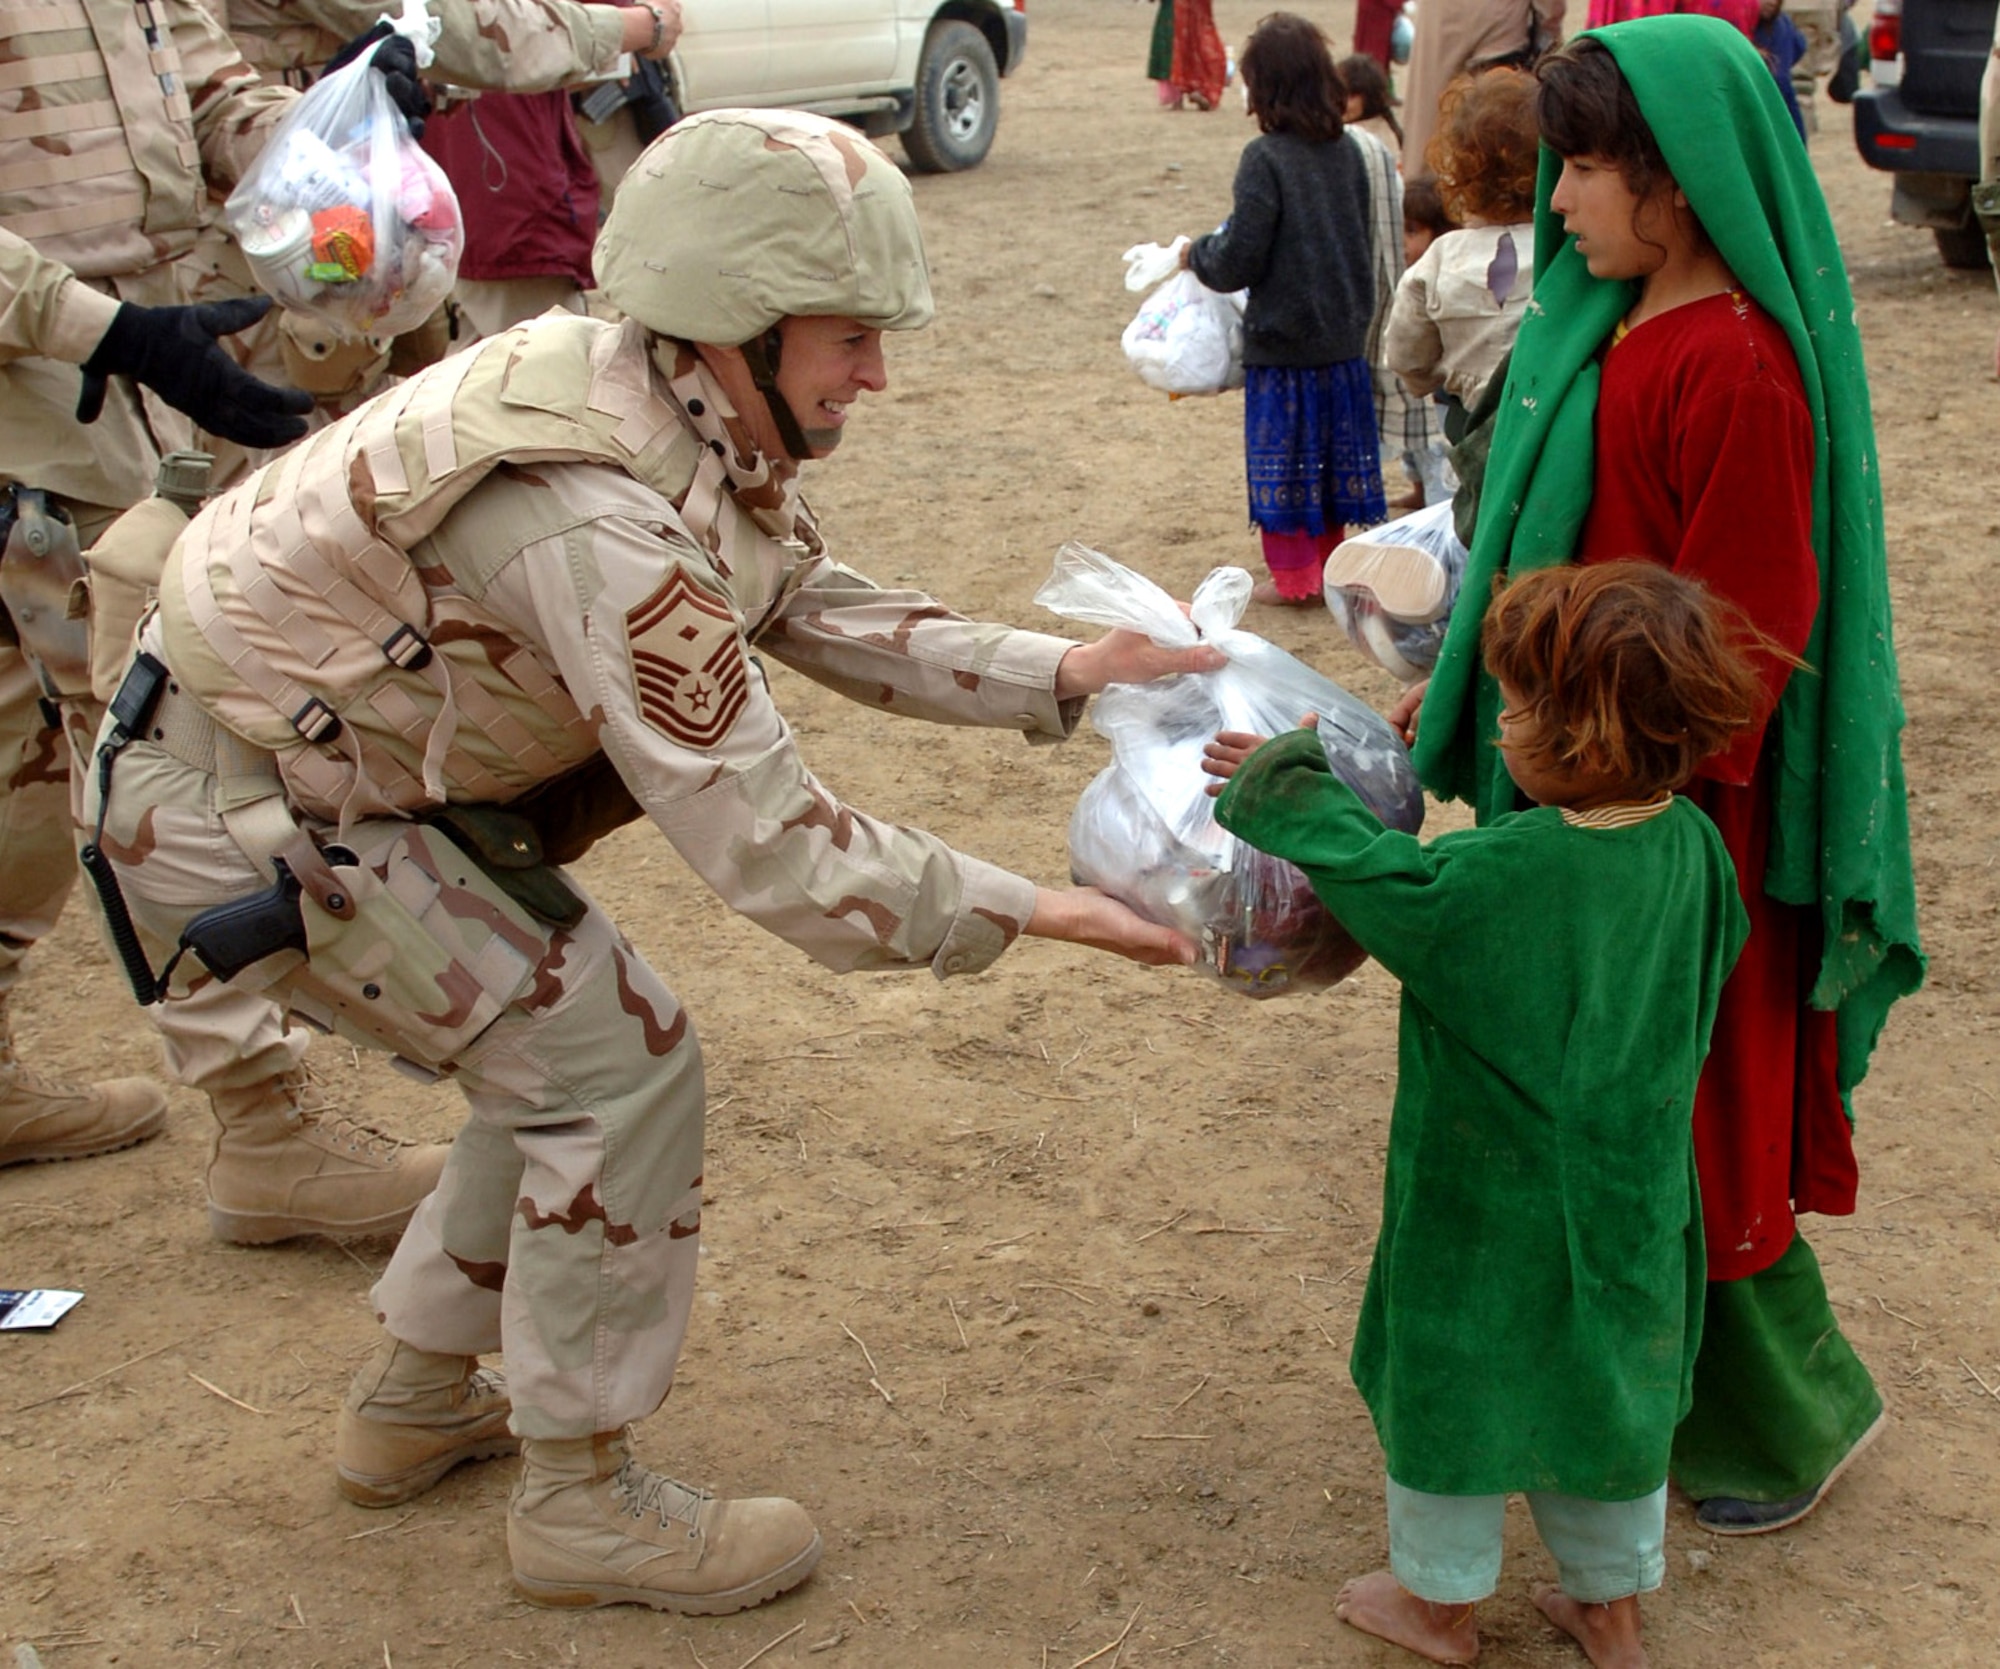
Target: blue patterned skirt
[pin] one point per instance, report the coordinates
(1310, 444)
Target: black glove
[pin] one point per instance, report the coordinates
(174, 352)
(396, 59)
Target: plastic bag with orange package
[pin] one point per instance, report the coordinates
(342, 215)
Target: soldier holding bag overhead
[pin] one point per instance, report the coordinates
(547, 561)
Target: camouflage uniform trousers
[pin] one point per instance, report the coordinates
(224, 1039)
(565, 1228)
(37, 854)
(37, 835)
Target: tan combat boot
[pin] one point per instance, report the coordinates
(591, 1526)
(41, 1119)
(412, 1415)
(286, 1163)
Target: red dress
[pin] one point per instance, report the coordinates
(1201, 61)
(1704, 463)
(1374, 27)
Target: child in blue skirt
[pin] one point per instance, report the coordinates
(1298, 239)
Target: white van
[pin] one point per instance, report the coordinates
(927, 69)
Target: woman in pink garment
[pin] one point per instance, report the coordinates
(1742, 13)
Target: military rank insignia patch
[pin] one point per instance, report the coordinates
(688, 667)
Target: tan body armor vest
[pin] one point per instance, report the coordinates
(99, 167)
(295, 611)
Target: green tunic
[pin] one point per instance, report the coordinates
(1160, 54)
(1535, 1301)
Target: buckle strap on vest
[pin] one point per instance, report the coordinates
(294, 700)
(407, 648)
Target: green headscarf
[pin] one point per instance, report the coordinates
(1840, 824)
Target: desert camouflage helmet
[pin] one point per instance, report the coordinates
(734, 219)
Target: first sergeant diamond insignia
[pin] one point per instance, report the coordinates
(688, 666)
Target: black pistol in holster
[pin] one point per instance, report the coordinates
(645, 90)
(228, 937)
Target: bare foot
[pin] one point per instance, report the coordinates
(1378, 1604)
(1608, 1634)
(1267, 593)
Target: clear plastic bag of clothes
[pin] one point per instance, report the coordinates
(343, 215)
(1185, 338)
(1144, 830)
(1392, 587)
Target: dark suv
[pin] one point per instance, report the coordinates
(1920, 120)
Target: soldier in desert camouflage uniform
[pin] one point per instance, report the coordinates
(116, 119)
(519, 46)
(48, 313)
(528, 581)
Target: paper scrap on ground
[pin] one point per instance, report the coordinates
(41, 1307)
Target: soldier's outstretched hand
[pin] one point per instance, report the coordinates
(1085, 916)
(174, 351)
(1123, 656)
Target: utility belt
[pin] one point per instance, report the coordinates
(229, 937)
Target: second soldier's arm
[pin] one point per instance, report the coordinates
(516, 46)
(647, 640)
(905, 652)
(46, 310)
(234, 108)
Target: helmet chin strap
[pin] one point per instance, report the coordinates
(761, 353)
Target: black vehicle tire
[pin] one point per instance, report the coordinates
(958, 101)
(1964, 246)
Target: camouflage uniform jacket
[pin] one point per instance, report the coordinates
(558, 544)
(119, 120)
(45, 309)
(520, 46)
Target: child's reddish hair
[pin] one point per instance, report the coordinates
(1626, 668)
(1486, 147)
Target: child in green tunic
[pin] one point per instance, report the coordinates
(1535, 1300)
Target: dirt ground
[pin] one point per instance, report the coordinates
(1035, 1288)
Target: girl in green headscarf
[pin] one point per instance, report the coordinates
(1689, 389)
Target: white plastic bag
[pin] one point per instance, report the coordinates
(1144, 830)
(1185, 338)
(342, 215)
(1149, 265)
(1391, 589)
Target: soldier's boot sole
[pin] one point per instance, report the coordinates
(767, 1586)
(250, 1228)
(394, 1488)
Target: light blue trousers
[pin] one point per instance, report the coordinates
(1446, 1548)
